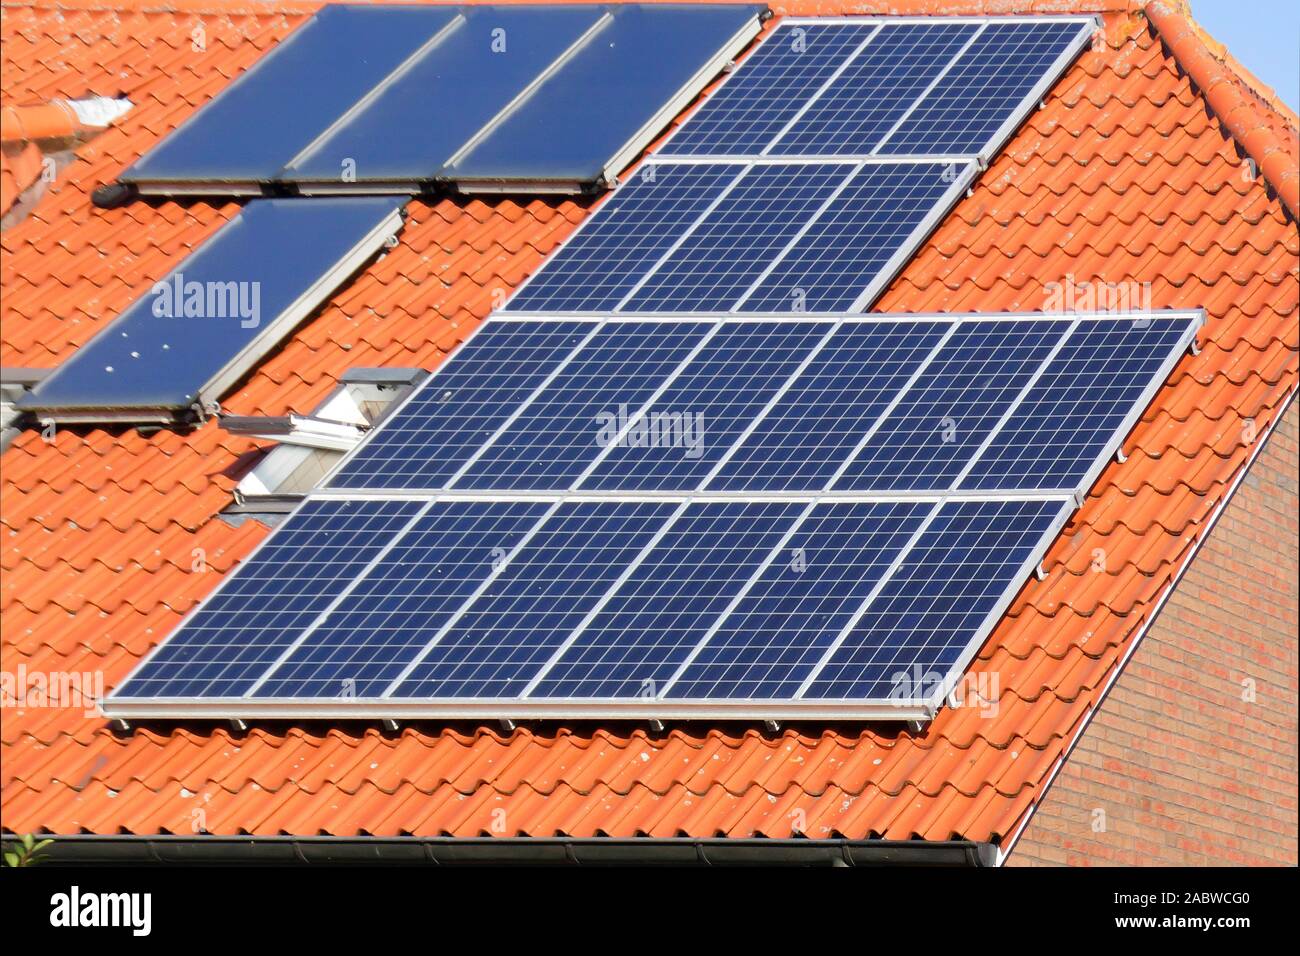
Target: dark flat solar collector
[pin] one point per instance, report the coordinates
(366, 99)
(199, 329)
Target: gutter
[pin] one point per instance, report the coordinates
(90, 849)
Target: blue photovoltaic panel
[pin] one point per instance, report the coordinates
(562, 429)
(461, 406)
(604, 95)
(263, 119)
(205, 316)
(243, 628)
(635, 643)
(985, 88)
(399, 606)
(763, 243)
(366, 144)
(697, 419)
(730, 247)
(768, 645)
(931, 435)
(1072, 413)
(751, 108)
(871, 221)
(932, 609)
(623, 240)
(811, 431)
(505, 637)
(881, 83)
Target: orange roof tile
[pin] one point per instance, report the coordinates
(19, 170)
(1122, 175)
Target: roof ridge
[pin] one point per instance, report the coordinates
(826, 8)
(268, 8)
(1220, 52)
(1221, 85)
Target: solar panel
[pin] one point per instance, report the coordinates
(1095, 386)
(791, 237)
(259, 611)
(559, 432)
(199, 329)
(479, 388)
(860, 105)
(615, 247)
(447, 555)
(743, 586)
(648, 625)
(858, 240)
(502, 48)
(803, 599)
(288, 97)
(925, 441)
(679, 438)
(907, 640)
(768, 90)
(356, 100)
(807, 435)
(925, 87)
(501, 641)
(909, 108)
(985, 87)
(627, 82)
(730, 245)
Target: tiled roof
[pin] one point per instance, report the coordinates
(1124, 175)
(19, 170)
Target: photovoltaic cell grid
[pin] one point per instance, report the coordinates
(709, 404)
(1084, 396)
(262, 608)
(722, 238)
(950, 582)
(981, 91)
(804, 598)
(939, 424)
(841, 263)
(556, 434)
(767, 91)
(639, 223)
(500, 605)
(725, 252)
(478, 391)
(876, 88)
(822, 162)
(856, 405)
(503, 639)
(449, 553)
(812, 89)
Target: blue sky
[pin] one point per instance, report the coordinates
(1263, 34)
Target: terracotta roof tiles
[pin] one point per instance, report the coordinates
(1130, 172)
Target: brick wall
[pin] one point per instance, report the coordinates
(1185, 770)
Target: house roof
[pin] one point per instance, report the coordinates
(1131, 172)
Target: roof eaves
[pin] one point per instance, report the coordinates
(443, 851)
